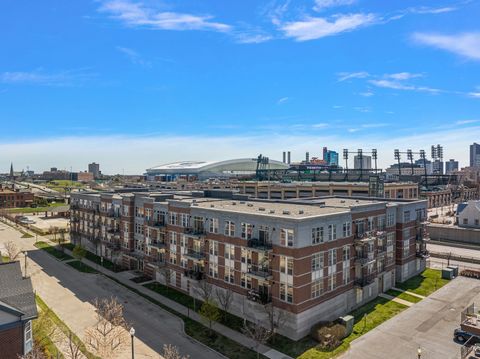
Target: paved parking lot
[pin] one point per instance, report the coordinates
(428, 324)
(44, 223)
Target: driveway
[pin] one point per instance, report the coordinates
(69, 293)
(428, 324)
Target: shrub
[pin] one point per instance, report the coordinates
(328, 335)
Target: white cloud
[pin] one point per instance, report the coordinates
(465, 44)
(398, 85)
(42, 78)
(474, 94)
(136, 14)
(403, 76)
(342, 76)
(366, 94)
(282, 100)
(466, 122)
(324, 4)
(362, 109)
(133, 56)
(320, 125)
(249, 38)
(311, 28)
(431, 10)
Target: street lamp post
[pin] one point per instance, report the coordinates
(419, 353)
(26, 255)
(132, 335)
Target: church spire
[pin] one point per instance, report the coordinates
(11, 170)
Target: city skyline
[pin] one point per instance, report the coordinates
(127, 83)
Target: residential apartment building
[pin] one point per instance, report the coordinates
(314, 259)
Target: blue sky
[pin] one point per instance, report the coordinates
(133, 84)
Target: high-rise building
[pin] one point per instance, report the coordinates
(330, 157)
(451, 166)
(95, 169)
(365, 162)
(475, 155)
(438, 167)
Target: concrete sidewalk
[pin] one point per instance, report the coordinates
(222, 329)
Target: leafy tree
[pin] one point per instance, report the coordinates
(79, 253)
(210, 313)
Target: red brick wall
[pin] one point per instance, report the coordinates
(11, 342)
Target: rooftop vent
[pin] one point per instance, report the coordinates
(242, 202)
(272, 211)
(300, 211)
(342, 201)
(195, 204)
(212, 205)
(261, 209)
(234, 203)
(250, 205)
(285, 212)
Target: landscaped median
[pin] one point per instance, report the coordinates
(96, 259)
(52, 250)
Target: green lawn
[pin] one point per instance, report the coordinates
(52, 251)
(97, 259)
(425, 283)
(82, 267)
(228, 319)
(37, 209)
(404, 296)
(27, 235)
(61, 326)
(377, 311)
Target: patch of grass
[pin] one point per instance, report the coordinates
(63, 327)
(425, 283)
(198, 331)
(52, 251)
(98, 260)
(82, 267)
(404, 296)
(5, 259)
(141, 279)
(36, 209)
(27, 235)
(367, 318)
(228, 319)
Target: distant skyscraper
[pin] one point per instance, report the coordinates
(330, 157)
(11, 171)
(364, 163)
(451, 166)
(475, 155)
(438, 167)
(95, 169)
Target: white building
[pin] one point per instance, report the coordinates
(468, 214)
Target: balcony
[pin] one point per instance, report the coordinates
(257, 296)
(194, 274)
(260, 245)
(422, 253)
(260, 272)
(365, 280)
(195, 255)
(365, 258)
(74, 206)
(365, 236)
(156, 244)
(154, 223)
(195, 231)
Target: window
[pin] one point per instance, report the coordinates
(332, 282)
(317, 288)
(183, 262)
(173, 238)
(28, 337)
(347, 229)
(406, 247)
(173, 218)
(229, 228)
(476, 222)
(465, 221)
(360, 224)
(185, 219)
(213, 225)
(247, 230)
(406, 216)
(229, 277)
(286, 237)
(213, 270)
(346, 276)
(390, 240)
(173, 258)
(243, 281)
(286, 292)
(332, 232)
(229, 251)
(214, 248)
(317, 235)
(317, 261)
(286, 265)
(406, 233)
(246, 256)
(332, 257)
(390, 219)
(381, 223)
(346, 253)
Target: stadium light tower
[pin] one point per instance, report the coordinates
(396, 154)
(410, 158)
(345, 157)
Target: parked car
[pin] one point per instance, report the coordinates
(462, 336)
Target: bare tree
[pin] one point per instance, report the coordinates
(204, 290)
(109, 335)
(61, 238)
(276, 318)
(12, 251)
(171, 352)
(35, 353)
(260, 335)
(54, 230)
(73, 350)
(166, 274)
(225, 298)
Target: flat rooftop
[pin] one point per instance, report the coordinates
(271, 209)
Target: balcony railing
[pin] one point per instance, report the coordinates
(194, 274)
(260, 245)
(157, 244)
(422, 253)
(195, 255)
(262, 272)
(262, 297)
(365, 258)
(365, 280)
(195, 231)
